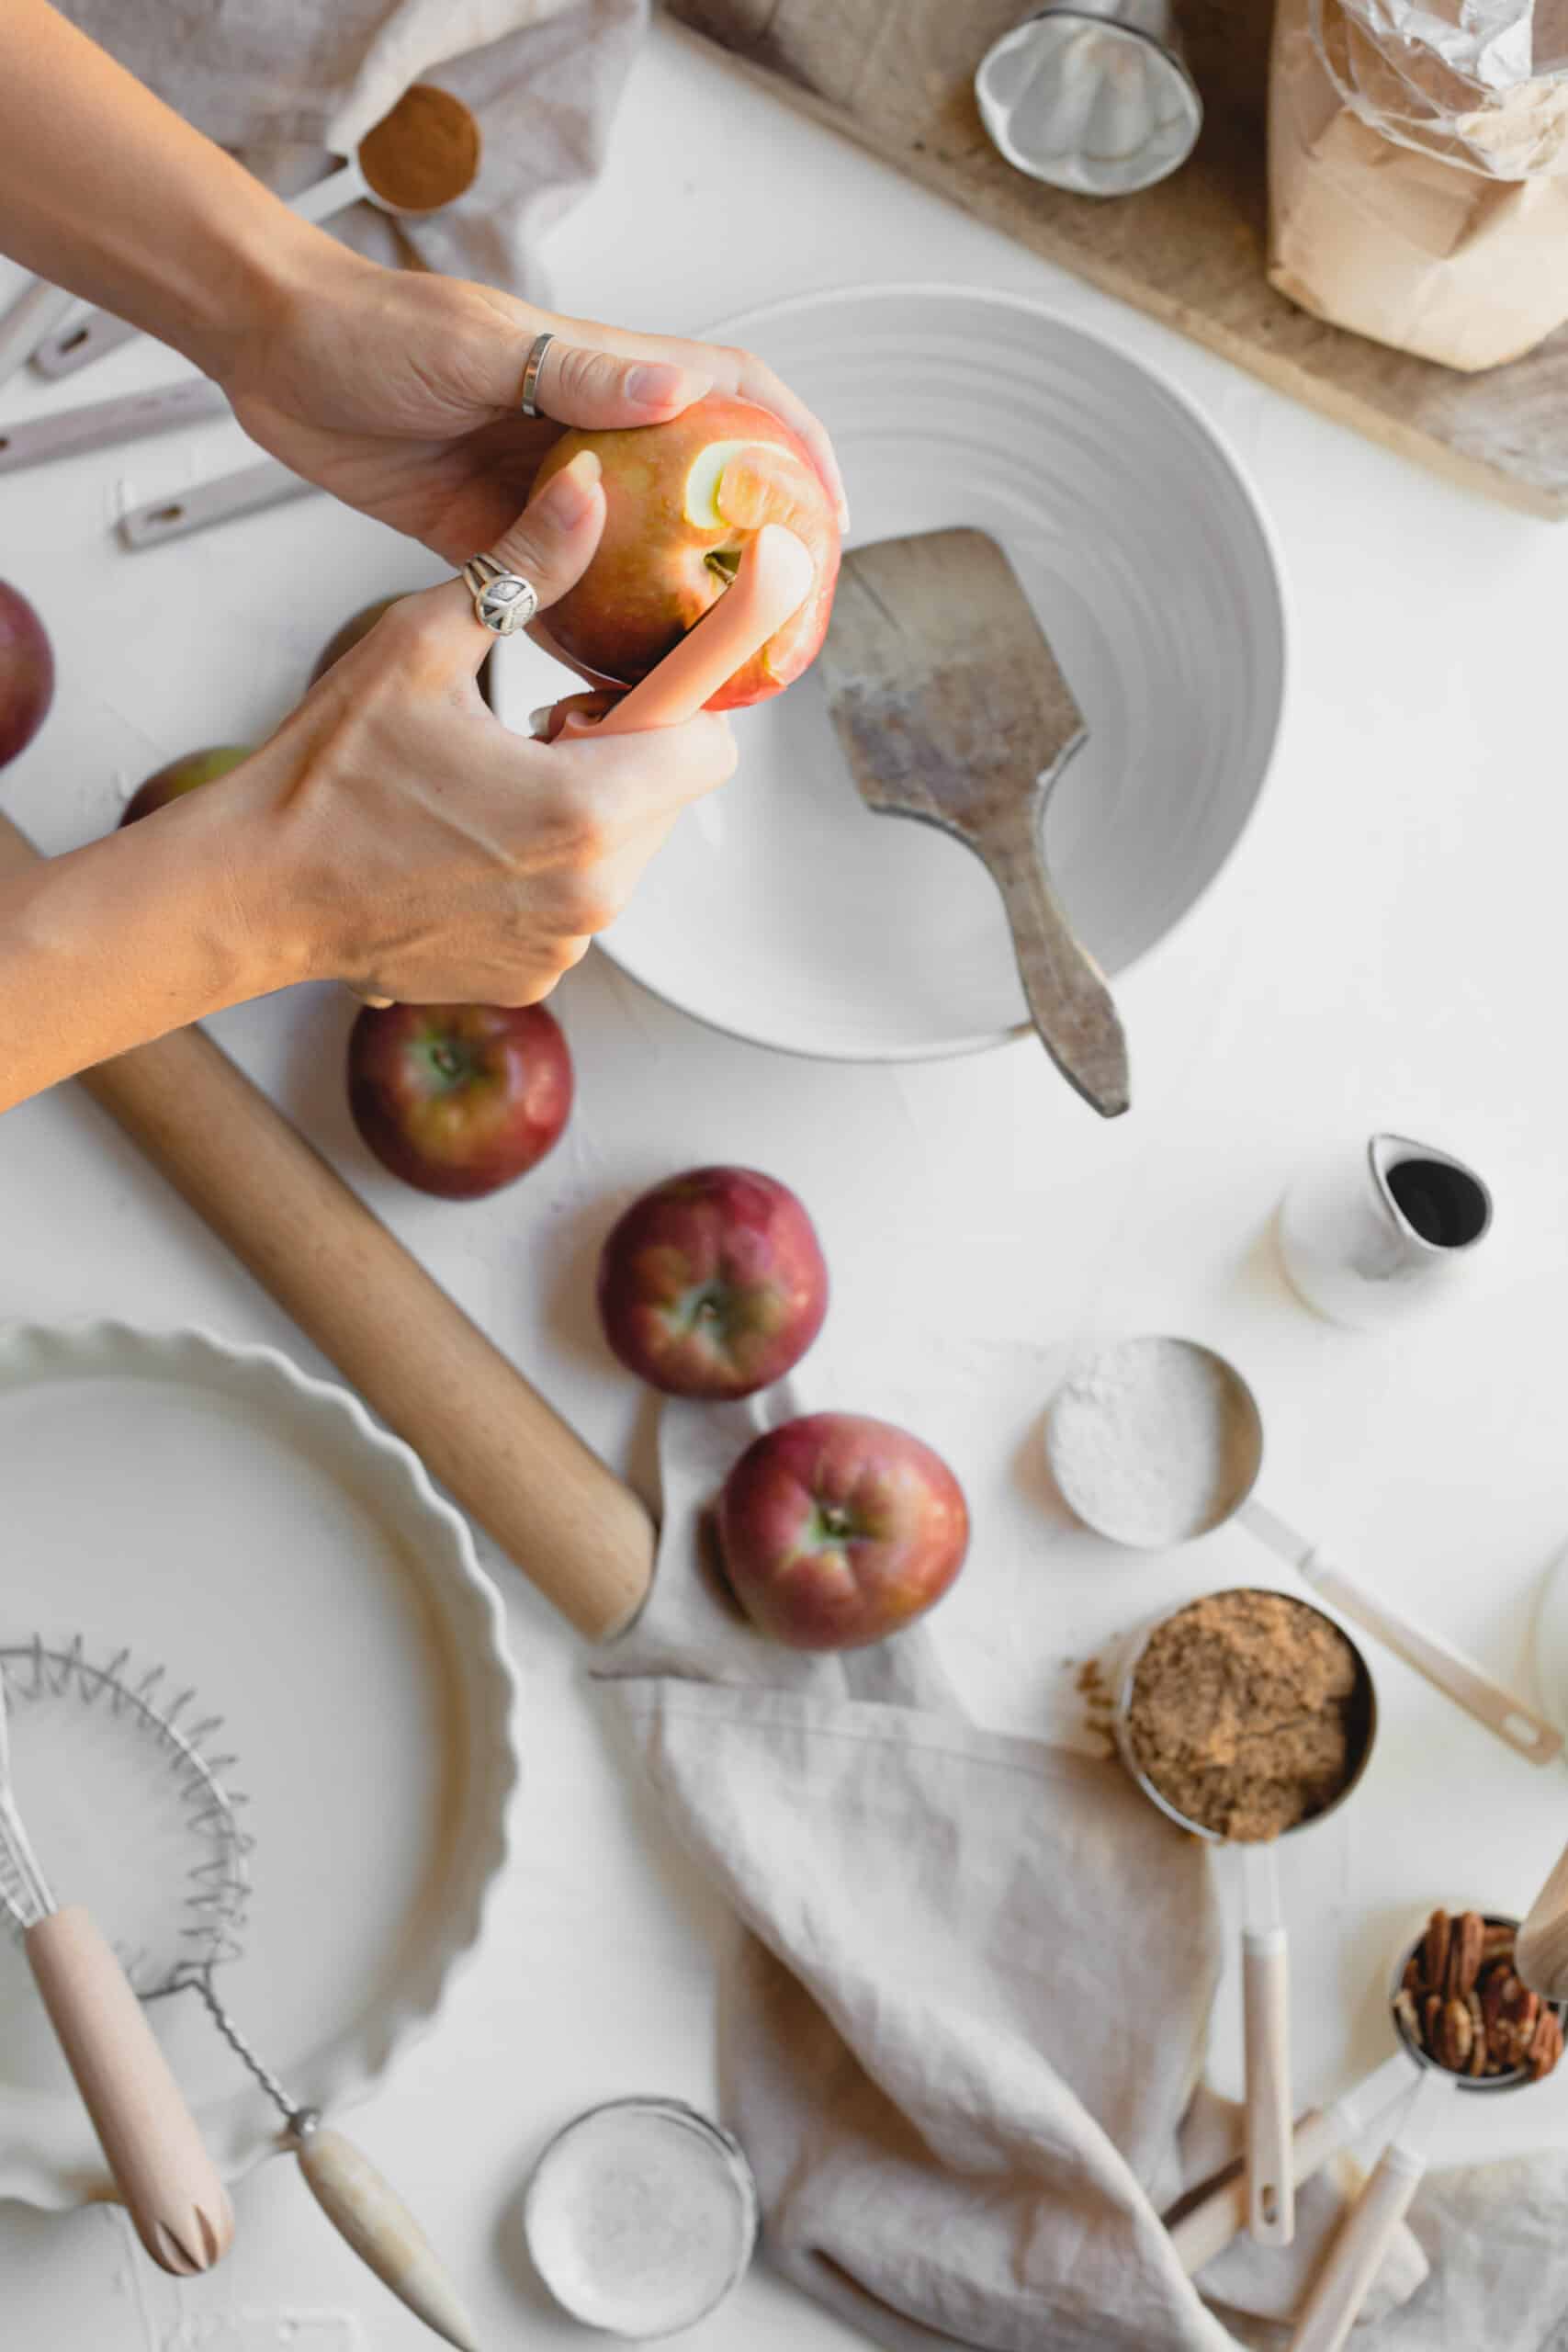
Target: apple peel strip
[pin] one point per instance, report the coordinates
(773, 580)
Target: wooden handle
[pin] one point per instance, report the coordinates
(1206, 2228)
(91, 337)
(145, 2127)
(1341, 2286)
(104, 423)
(31, 316)
(244, 493)
(1069, 1002)
(1527, 1733)
(377, 2223)
(1271, 2166)
(1541, 1951)
(569, 1523)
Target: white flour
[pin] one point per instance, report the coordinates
(641, 2216)
(1153, 1441)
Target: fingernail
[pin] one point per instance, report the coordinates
(662, 385)
(566, 501)
(539, 720)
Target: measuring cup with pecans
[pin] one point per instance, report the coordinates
(1462, 2013)
(1245, 1716)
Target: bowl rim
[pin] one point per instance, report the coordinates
(743, 324)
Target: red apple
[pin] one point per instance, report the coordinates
(27, 674)
(684, 501)
(837, 1530)
(182, 776)
(458, 1099)
(712, 1284)
(358, 627)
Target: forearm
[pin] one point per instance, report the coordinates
(138, 934)
(104, 190)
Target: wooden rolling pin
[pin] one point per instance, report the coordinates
(507, 1457)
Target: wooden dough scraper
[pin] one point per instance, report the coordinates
(951, 708)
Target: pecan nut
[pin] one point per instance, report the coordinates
(1512, 2012)
(1466, 1942)
(1451, 2042)
(1435, 1950)
(1546, 2045)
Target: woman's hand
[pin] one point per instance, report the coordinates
(435, 856)
(392, 833)
(398, 392)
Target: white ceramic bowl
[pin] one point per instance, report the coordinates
(217, 1509)
(782, 910)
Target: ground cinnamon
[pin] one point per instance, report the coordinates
(425, 153)
(1247, 1713)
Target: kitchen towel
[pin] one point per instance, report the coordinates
(272, 79)
(962, 2040)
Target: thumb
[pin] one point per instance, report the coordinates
(597, 389)
(550, 545)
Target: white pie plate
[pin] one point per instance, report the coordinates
(215, 1508)
(784, 911)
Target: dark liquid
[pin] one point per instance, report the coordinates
(1445, 1207)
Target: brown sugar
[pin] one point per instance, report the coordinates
(425, 153)
(1248, 1714)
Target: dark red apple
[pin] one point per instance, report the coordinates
(837, 1530)
(358, 627)
(712, 1284)
(181, 777)
(458, 1099)
(26, 672)
(684, 500)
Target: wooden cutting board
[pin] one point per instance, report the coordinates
(897, 76)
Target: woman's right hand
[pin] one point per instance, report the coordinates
(414, 846)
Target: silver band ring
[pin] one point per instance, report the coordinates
(531, 368)
(503, 601)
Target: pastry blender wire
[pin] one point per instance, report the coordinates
(214, 1911)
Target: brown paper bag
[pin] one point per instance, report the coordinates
(1403, 242)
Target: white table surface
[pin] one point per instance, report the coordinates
(1382, 952)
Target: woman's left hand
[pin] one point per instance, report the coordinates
(398, 391)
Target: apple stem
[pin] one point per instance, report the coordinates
(835, 1520)
(725, 562)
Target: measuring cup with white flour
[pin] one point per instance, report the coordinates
(1155, 1441)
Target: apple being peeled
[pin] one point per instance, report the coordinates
(458, 1099)
(712, 1284)
(838, 1530)
(27, 674)
(181, 777)
(684, 501)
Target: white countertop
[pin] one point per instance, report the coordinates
(1379, 955)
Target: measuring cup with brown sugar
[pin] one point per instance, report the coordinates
(1461, 2012)
(417, 160)
(1155, 1441)
(1245, 1716)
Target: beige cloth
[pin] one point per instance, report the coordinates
(287, 83)
(961, 2040)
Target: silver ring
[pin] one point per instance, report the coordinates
(503, 601)
(531, 368)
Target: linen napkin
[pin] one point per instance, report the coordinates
(272, 78)
(960, 2040)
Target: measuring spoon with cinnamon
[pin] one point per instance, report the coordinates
(416, 160)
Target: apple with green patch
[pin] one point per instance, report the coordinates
(458, 1099)
(713, 1283)
(181, 777)
(683, 501)
(837, 1530)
